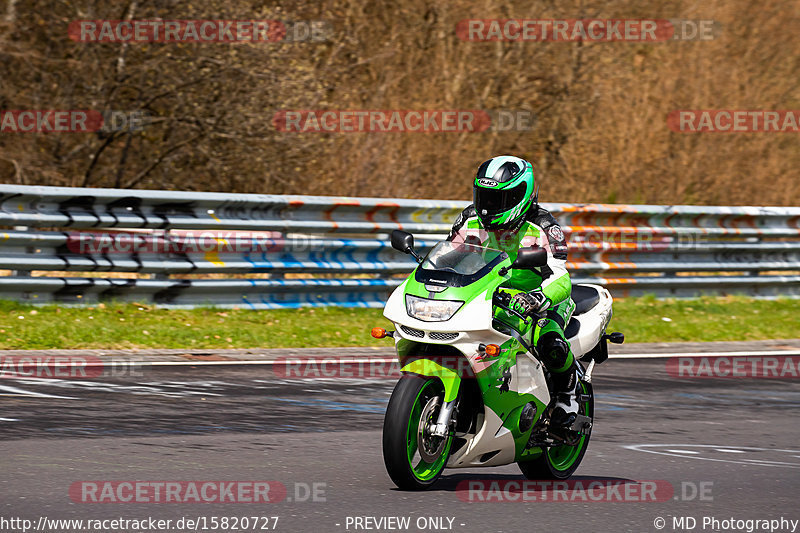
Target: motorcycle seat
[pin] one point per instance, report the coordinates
(585, 298)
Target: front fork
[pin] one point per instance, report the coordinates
(443, 423)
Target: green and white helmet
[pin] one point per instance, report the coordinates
(503, 192)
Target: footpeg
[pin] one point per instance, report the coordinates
(582, 424)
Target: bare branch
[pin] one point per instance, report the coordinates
(144, 173)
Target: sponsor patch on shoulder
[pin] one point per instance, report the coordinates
(555, 233)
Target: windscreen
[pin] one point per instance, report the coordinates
(460, 258)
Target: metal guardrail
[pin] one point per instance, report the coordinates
(303, 250)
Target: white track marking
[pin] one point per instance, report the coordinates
(9, 419)
(683, 451)
(102, 386)
(764, 353)
(278, 362)
(670, 449)
(14, 391)
(770, 463)
(383, 360)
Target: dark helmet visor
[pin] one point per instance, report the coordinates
(492, 202)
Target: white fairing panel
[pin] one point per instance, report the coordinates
(492, 436)
(473, 316)
(593, 324)
(527, 377)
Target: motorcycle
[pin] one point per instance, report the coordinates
(473, 390)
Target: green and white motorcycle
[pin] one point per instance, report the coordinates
(473, 391)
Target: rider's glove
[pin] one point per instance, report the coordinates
(530, 303)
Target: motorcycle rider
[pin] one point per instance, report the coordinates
(506, 215)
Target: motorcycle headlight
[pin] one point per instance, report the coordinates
(431, 310)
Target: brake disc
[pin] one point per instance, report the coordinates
(429, 446)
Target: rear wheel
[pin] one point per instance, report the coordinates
(413, 457)
(560, 462)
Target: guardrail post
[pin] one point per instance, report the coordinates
(756, 240)
(28, 250)
(165, 235)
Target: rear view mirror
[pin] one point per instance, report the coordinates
(403, 241)
(529, 258)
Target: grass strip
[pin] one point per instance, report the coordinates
(130, 326)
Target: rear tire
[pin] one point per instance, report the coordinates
(413, 398)
(560, 462)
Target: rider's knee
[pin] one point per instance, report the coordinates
(554, 349)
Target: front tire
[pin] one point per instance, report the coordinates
(560, 462)
(415, 403)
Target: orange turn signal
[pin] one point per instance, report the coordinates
(492, 350)
(378, 333)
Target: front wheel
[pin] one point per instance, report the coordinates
(560, 462)
(413, 457)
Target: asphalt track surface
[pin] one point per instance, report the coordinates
(728, 448)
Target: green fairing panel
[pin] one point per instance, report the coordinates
(483, 287)
(508, 404)
(426, 367)
(492, 382)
